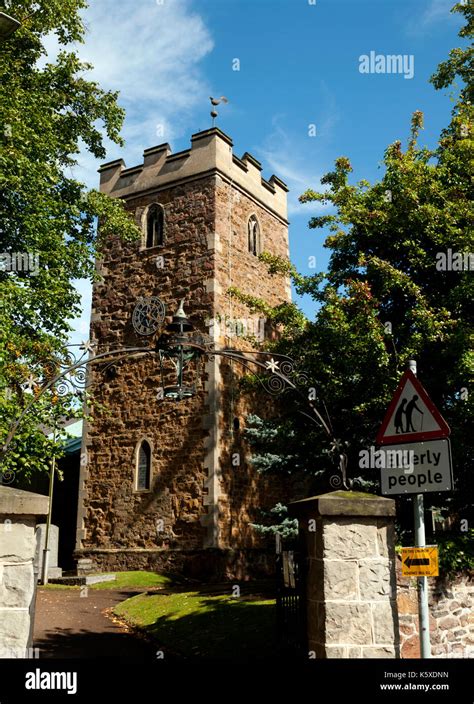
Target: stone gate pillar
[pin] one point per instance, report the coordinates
(19, 514)
(351, 581)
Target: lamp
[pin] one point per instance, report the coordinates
(176, 347)
(8, 25)
(180, 322)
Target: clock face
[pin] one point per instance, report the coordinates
(148, 315)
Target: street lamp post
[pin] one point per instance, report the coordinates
(175, 347)
(52, 475)
(8, 25)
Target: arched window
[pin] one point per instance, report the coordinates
(254, 236)
(155, 226)
(143, 469)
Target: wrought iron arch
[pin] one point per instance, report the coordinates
(275, 372)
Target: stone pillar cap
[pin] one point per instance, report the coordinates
(19, 502)
(343, 503)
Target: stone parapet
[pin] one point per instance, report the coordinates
(210, 152)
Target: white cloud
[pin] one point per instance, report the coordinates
(150, 53)
(81, 323)
(435, 12)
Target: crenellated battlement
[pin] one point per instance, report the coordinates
(210, 152)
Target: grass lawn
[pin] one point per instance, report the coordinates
(124, 580)
(190, 624)
(134, 579)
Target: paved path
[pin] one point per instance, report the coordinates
(70, 626)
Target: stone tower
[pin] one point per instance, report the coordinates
(160, 485)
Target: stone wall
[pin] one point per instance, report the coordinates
(243, 492)
(114, 514)
(451, 603)
(198, 496)
(19, 512)
(213, 564)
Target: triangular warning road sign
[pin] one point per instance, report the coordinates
(412, 416)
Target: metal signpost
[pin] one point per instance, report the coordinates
(417, 459)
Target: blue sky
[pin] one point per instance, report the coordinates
(299, 66)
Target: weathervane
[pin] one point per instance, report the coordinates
(214, 103)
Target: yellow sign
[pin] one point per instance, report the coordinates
(420, 562)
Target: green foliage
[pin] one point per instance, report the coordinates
(135, 579)
(456, 553)
(286, 314)
(461, 60)
(277, 521)
(279, 446)
(48, 112)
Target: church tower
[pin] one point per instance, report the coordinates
(167, 484)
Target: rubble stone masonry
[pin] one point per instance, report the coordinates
(451, 604)
(196, 516)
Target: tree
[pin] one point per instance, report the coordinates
(390, 295)
(49, 110)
